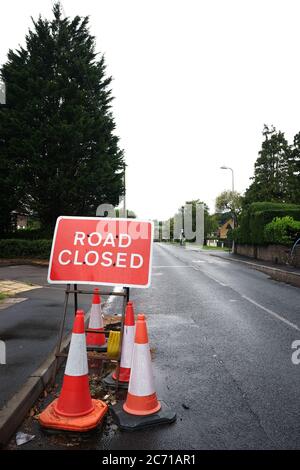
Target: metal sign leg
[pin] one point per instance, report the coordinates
(61, 332)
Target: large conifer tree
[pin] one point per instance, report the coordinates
(58, 151)
(270, 181)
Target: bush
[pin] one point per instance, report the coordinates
(27, 234)
(14, 248)
(282, 230)
(254, 219)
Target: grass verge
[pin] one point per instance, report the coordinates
(215, 248)
(2, 296)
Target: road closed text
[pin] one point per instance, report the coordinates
(108, 251)
(93, 255)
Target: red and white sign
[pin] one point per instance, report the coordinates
(93, 250)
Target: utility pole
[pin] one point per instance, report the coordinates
(124, 183)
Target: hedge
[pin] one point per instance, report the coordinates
(14, 248)
(27, 234)
(253, 220)
(283, 231)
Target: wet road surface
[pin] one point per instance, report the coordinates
(222, 336)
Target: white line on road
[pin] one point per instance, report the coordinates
(211, 277)
(171, 266)
(287, 322)
(274, 314)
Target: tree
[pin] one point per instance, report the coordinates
(270, 181)
(293, 180)
(10, 187)
(57, 131)
(230, 201)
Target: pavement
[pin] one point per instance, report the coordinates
(222, 335)
(29, 323)
(228, 255)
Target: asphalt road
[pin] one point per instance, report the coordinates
(222, 335)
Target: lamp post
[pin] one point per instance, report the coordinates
(224, 167)
(232, 175)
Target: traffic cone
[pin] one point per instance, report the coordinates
(96, 340)
(142, 408)
(75, 410)
(127, 345)
(141, 398)
(127, 349)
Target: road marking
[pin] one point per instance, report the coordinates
(210, 277)
(198, 261)
(170, 266)
(276, 315)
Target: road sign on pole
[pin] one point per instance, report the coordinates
(93, 250)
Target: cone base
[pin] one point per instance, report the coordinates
(49, 418)
(128, 422)
(109, 381)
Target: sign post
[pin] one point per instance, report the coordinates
(100, 251)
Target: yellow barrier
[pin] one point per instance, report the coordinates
(113, 344)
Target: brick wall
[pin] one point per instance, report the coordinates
(277, 254)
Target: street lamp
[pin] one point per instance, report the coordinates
(224, 167)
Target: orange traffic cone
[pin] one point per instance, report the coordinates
(141, 409)
(75, 410)
(96, 340)
(127, 345)
(127, 349)
(141, 398)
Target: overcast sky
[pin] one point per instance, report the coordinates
(194, 82)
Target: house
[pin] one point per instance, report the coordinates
(19, 220)
(223, 229)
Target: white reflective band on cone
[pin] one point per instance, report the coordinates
(77, 359)
(127, 346)
(141, 381)
(96, 320)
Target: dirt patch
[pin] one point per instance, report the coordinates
(10, 288)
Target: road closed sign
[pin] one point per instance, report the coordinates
(93, 250)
